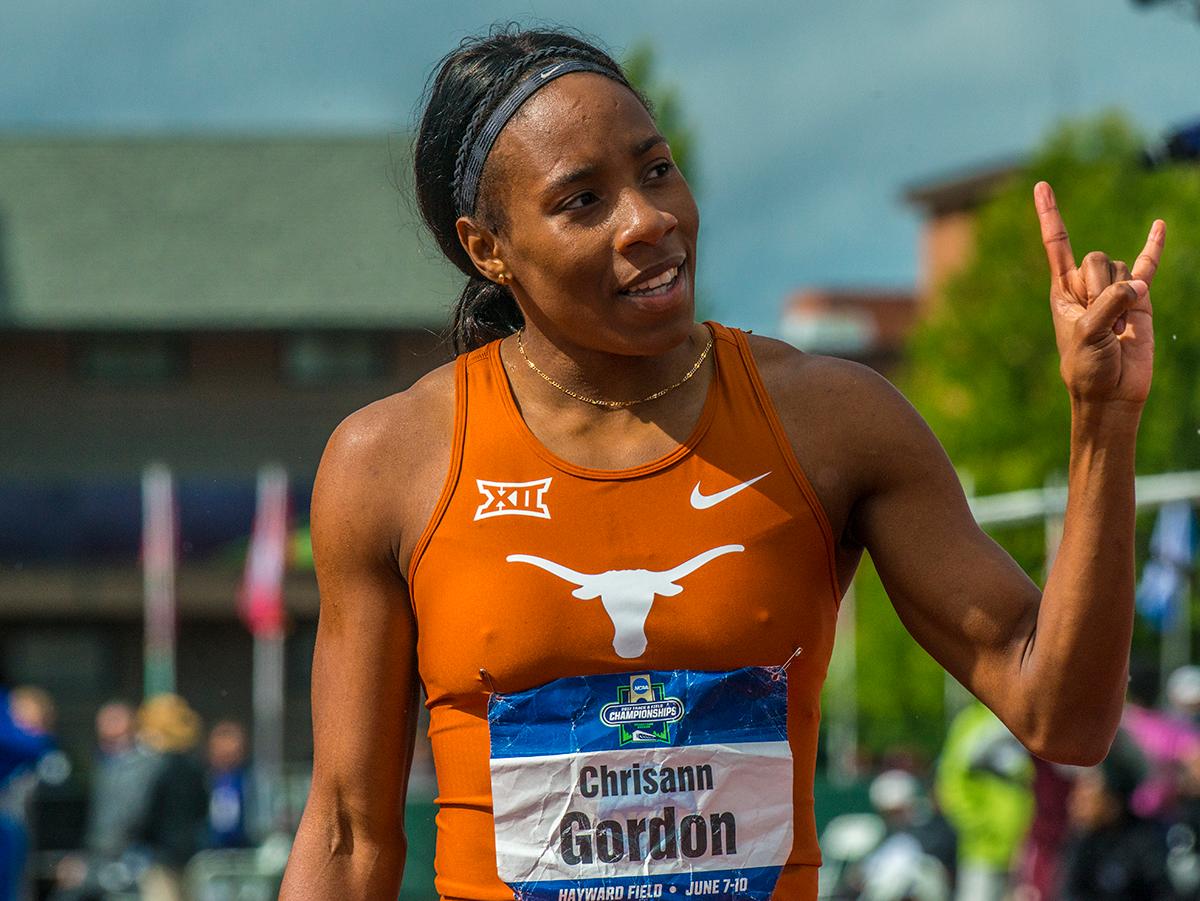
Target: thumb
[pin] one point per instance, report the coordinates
(1113, 302)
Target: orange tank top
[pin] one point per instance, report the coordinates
(730, 557)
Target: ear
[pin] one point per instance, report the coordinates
(483, 247)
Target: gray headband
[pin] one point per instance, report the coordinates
(466, 190)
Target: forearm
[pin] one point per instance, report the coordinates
(336, 855)
(1075, 664)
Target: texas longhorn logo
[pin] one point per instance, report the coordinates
(627, 594)
(513, 499)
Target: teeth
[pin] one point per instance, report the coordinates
(656, 282)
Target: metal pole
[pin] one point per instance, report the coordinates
(268, 675)
(1054, 510)
(1030, 505)
(158, 580)
(843, 725)
(1175, 648)
(263, 600)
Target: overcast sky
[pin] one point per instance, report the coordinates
(811, 118)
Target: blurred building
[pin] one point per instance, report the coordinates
(214, 304)
(866, 326)
(870, 325)
(948, 205)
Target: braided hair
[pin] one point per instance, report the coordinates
(470, 82)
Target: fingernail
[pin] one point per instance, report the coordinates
(1140, 287)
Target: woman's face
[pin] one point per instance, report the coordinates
(594, 209)
(1091, 805)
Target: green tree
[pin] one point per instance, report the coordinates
(983, 371)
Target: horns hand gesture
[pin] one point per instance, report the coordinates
(1102, 312)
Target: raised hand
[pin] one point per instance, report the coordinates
(1102, 314)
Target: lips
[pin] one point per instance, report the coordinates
(660, 284)
(655, 279)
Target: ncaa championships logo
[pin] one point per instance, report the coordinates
(642, 712)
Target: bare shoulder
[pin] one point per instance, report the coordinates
(384, 464)
(838, 397)
(393, 428)
(848, 425)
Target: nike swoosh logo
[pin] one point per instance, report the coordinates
(704, 501)
(548, 72)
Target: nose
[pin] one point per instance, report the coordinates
(642, 222)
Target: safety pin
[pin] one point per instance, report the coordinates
(485, 676)
(796, 653)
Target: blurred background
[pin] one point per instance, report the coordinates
(209, 255)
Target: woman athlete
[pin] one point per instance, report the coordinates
(609, 542)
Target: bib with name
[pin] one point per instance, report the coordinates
(670, 784)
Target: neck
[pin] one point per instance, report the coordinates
(600, 375)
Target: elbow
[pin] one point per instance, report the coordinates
(1074, 751)
(1066, 722)
(340, 845)
(1072, 740)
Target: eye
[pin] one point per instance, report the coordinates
(580, 200)
(663, 167)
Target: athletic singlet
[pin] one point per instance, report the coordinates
(533, 571)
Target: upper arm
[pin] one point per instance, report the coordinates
(364, 681)
(364, 667)
(887, 486)
(960, 595)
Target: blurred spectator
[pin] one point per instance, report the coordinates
(1113, 853)
(1183, 838)
(121, 778)
(175, 824)
(1183, 693)
(1041, 858)
(847, 841)
(228, 784)
(897, 796)
(123, 772)
(115, 729)
(26, 721)
(984, 787)
(906, 864)
(1166, 740)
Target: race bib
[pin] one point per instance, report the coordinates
(670, 784)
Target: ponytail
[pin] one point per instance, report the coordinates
(484, 312)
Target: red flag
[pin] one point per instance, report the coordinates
(261, 602)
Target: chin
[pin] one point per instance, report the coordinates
(660, 337)
(655, 325)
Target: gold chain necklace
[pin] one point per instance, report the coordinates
(613, 404)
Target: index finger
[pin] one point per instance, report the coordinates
(1054, 231)
(1146, 264)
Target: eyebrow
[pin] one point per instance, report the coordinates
(585, 172)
